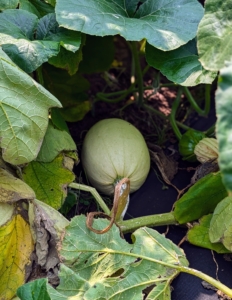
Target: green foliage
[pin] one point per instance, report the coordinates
(7, 4)
(58, 42)
(37, 7)
(23, 113)
(29, 49)
(164, 26)
(106, 266)
(214, 42)
(181, 66)
(199, 235)
(221, 223)
(49, 180)
(200, 199)
(55, 141)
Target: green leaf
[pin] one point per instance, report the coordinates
(214, 34)
(98, 54)
(58, 120)
(36, 7)
(13, 189)
(52, 2)
(181, 65)
(36, 290)
(198, 235)
(69, 202)
(39, 290)
(70, 90)
(30, 42)
(200, 199)
(107, 267)
(224, 130)
(28, 6)
(166, 25)
(7, 4)
(23, 123)
(55, 141)
(67, 60)
(221, 224)
(49, 30)
(49, 180)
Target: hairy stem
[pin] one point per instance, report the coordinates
(149, 221)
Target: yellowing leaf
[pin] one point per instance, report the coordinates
(13, 189)
(16, 246)
(49, 180)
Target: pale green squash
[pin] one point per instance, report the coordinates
(114, 149)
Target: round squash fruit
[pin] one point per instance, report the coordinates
(114, 149)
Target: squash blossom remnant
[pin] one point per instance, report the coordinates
(206, 150)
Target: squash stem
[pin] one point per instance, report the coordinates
(220, 286)
(94, 193)
(149, 221)
(195, 106)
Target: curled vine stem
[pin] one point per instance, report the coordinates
(120, 194)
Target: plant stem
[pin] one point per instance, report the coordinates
(172, 116)
(94, 193)
(155, 111)
(149, 221)
(105, 97)
(210, 131)
(202, 112)
(220, 286)
(139, 75)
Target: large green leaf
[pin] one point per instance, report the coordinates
(199, 235)
(224, 125)
(24, 106)
(107, 267)
(30, 41)
(181, 65)
(200, 199)
(49, 180)
(214, 34)
(55, 141)
(166, 25)
(221, 224)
